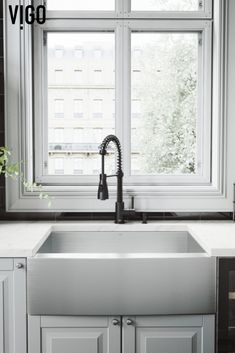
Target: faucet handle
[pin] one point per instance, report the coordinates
(132, 202)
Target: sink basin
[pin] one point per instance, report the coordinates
(119, 243)
(121, 273)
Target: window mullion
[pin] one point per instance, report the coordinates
(119, 81)
(126, 120)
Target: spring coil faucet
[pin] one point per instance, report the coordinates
(103, 193)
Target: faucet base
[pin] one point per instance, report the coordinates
(119, 213)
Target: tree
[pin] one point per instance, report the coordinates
(167, 132)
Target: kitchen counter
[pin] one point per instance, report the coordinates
(23, 239)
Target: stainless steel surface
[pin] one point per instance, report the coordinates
(118, 243)
(121, 273)
(115, 322)
(129, 322)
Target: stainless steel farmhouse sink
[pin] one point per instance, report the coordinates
(121, 273)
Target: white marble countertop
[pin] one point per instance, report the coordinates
(23, 239)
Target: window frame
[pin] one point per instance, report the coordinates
(122, 30)
(123, 10)
(83, 198)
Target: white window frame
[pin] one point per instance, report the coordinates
(123, 10)
(71, 195)
(123, 121)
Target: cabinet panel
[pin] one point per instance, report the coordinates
(12, 306)
(60, 340)
(170, 334)
(168, 340)
(2, 313)
(57, 334)
(226, 306)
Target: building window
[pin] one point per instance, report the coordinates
(79, 53)
(136, 108)
(58, 135)
(162, 79)
(59, 52)
(78, 168)
(59, 108)
(97, 77)
(98, 135)
(78, 108)
(58, 76)
(58, 166)
(97, 105)
(78, 135)
(97, 54)
(168, 5)
(78, 76)
(88, 5)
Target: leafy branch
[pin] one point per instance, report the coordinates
(12, 170)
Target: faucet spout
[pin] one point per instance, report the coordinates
(103, 188)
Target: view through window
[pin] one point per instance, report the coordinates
(164, 103)
(148, 81)
(80, 103)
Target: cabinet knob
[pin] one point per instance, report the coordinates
(115, 322)
(129, 322)
(19, 265)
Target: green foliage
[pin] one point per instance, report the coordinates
(12, 170)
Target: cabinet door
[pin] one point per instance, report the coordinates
(12, 306)
(168, 334)
(226, 306)
(56, 334)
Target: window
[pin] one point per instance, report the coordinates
(97, 74)
(136, 108)
(59, 52)
(172, 142)
(58, 166)
(82, 86)
(163, 89)
(78, 52)
(78, 166)
(167, 5)
(98, 135)
(97, 108)
(58, 76)
(78, 76)
(167, 91)
(78, 108)
(97, 53)
(78, 135)
(58, 135)
(59, 108)
(81, 5)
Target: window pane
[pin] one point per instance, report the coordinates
(166, 5)
(81, 5)
(164, 101)
(81, 94)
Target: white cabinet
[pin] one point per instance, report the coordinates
(57, 334)
(140, 334)
(12, 306)
(169, 334)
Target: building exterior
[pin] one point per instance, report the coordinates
(81, 101)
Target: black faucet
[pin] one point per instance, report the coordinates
(103, 193)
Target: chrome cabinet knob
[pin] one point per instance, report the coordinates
(129, 322)
(19, 265)
(115, 322)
